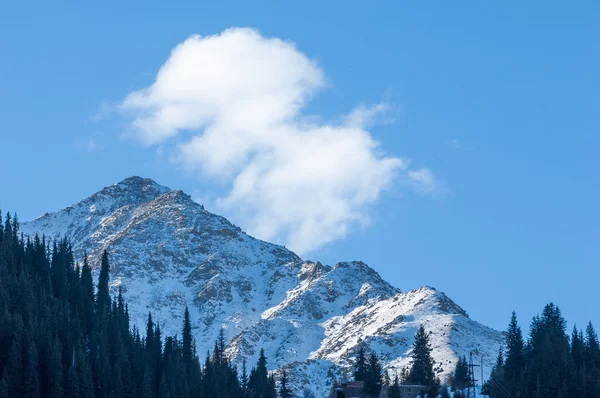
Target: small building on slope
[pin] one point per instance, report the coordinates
(355, 389)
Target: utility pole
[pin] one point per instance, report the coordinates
(472, 391)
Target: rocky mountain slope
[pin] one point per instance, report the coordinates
(168, 252)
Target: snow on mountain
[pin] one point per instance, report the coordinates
(388, 326)
(168, 252)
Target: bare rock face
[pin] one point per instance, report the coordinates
(168, 252)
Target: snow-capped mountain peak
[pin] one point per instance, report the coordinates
(168, 252)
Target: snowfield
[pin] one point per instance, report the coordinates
(167, 252)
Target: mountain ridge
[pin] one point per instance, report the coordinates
(168, 252)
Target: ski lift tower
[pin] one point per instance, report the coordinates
(472, 391)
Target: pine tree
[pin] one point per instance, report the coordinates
(72, 386)
(219, 350)
(163, 390)
(148, 383)
(58, 271)
(577, 370)
(387, 381)
(494, 386)
(548, 353)
(515, 361)
(360, 369)
(156, 354)
(260, 384)
(284, 391)
(461, 378)
(577, 348)
(394, 389)
(591, 365)
(404, 376)
(103, 301)
(188, 354)
(433, 389)
(421, 371)
(87, 293)
(373, 380)
(14, 373)
(31, 379)
(271, 391)
(85, 384)
(244, 380)
(209, 377)
(15, 229)
(592, 346)
(55, 370)
(149, 332)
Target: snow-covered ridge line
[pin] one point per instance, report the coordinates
(168, 252)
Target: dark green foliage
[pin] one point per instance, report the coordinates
(61, 338)
(404, 376)
(433, 389)
(31, 379)
(421, 371)
(461, 378)
(515, 357)
(547, 353)
(188, 353)
(369, 370)
(373, 380)
(360, 368)
(577, 363)
(495, 385)
(87, 297)
(260, 384)
(244, 381)
(14, 374)
(549, 364)
(103, 296)
(386, 379)
(591, 365)
(394, 389)
(284, 390)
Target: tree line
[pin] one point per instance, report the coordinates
(62, 336)
(548, 364)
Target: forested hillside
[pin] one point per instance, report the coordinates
(61, 336)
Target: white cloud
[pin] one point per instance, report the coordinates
(239, 96)
(423, 180)
(87, 144)
(366, 116)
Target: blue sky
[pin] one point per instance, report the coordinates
(497, 102)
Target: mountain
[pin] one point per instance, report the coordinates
(167, 252)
